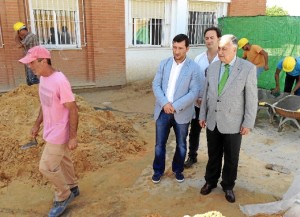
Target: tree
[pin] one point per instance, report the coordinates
(276, 11)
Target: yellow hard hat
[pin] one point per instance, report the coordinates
(288, 64)
(19, 26)
(242, 42)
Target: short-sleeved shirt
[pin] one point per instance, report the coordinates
(296, 71)
(202, 61)
(254, 56)
(29, 41)
(54, 91)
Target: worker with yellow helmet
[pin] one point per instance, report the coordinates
(291, 66)
(26, 40)
(255, 54)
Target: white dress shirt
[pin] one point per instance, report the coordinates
(203, 63)
(176, 68)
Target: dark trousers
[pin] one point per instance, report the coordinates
(289, 83)
(31, 78)
(219, 145)
(194, 135)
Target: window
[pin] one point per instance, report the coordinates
(198, 22)
(202, 15)
(56, 23)
(154, 23)
(147, 31)
(149, 22)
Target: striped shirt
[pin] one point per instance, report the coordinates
(29, 41)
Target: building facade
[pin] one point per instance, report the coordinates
(88, 44)
(151, 26)
(109, 42)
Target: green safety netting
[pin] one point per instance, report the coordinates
(279, 36)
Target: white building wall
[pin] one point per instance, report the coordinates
(142, 63)
(181, 17)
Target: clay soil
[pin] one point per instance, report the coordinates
(114, 162)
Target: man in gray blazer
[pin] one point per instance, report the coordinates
(176, 86)
(228, 113)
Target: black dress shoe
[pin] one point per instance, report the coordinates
(229, 195)
(189, 162)
(206, 189)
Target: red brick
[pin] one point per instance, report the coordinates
(247, 8)
(100, 63)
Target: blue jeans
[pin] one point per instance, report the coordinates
(163, 126)
(259, 70)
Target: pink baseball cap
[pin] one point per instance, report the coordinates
(35, 53)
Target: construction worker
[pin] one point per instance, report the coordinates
(291, 66)
(26, 40)
(255, 54)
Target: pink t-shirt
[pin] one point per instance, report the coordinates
(54, 91)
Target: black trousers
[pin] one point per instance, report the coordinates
(289, 83)
(194, 135)
(219, 145)
(31, 78)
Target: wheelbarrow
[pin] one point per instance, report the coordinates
(288, 108)
(266, 100)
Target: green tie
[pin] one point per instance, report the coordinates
(223, 79)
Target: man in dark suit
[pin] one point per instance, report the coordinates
(176, 86)
(228, 109)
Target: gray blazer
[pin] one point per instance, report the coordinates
(237, 104)
(186, 92)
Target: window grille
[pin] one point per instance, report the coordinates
(201, 15)
(198, 22)
(149, 21)
(57, 23)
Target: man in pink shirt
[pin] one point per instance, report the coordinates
(59, 114)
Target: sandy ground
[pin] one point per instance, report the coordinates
(114, 161)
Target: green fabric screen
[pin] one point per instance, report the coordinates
(279, 36)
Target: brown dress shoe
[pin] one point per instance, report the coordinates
(206, 189)
(229, 195)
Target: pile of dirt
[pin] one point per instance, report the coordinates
(103, 137)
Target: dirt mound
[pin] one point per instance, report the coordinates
(104, 137)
